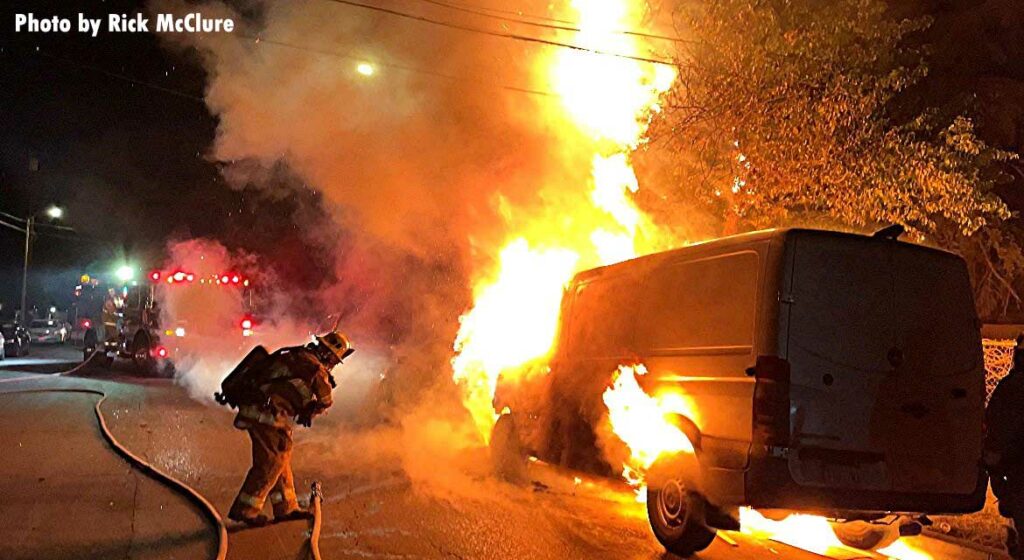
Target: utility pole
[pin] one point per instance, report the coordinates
(24, 271)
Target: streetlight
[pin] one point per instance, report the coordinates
(125, 273)
(54, 212)
(366, 69)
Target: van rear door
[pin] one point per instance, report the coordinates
(936, 427)
(840, 331)
(885, 354)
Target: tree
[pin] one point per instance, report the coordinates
(787, 111)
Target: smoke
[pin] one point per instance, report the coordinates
(424, 168)
(202, 320)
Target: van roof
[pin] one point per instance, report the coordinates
(733, 242)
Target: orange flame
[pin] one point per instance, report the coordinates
(642, 422)
(813, 533)
(608, 101)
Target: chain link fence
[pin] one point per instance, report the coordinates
(998, 360)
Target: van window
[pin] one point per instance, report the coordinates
(707, 303)
(602, 317)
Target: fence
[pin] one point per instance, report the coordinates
(998, 359)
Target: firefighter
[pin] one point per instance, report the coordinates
(298, 383)
(110, 317)
(1004, 447)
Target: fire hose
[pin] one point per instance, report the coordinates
(316, 496)
(207, 508)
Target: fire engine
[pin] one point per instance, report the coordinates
(136, 326)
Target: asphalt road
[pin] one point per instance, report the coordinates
(395, 492)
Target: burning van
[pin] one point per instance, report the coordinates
(810, 371)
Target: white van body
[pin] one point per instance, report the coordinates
(833, 373)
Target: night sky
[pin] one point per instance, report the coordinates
(120, 133)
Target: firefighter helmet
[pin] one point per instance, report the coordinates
(337, 343)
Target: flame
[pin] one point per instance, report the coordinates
(813, 533)
(607, 102)
(808, 532)
(524, 300)
(904, 550)
(641, 421)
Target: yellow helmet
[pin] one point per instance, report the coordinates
(337, 343)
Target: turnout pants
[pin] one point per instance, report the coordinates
(270, 474)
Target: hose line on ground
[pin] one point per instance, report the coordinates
(208, 509)
(315, 498)
(193, 496)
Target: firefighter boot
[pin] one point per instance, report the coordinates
(243, 510)
(282, 497)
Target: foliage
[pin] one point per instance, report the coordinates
(784, 113)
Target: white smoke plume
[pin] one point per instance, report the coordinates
(202, 320)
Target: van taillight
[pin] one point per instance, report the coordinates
(771, 400)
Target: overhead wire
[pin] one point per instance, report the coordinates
(12, 226)
(561, 25)
(502, 34)
(12, 217)
(519, 13)
(118, 76)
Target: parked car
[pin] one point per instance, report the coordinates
(16, 339)
(48, 331)
(830, 373)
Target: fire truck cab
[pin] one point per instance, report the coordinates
(135, 334)
(132, 323)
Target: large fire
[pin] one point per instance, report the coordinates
(609, 101)
(511, 328)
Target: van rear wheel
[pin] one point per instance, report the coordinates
(676, 516)
(865, 535)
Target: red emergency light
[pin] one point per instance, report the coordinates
(161, 352)
(246, 323)
(224, 279)
(155, 276)
(86, 323)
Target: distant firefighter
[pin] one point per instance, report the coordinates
(1004, 447)
(271, 391)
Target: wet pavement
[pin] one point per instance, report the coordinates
(66, 494)
(391, 493)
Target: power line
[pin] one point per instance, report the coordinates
(55, 226)
(521, 14)
(37, 224)
(121, 77)
(561, 25)
(12, 217)
(12, 226)
(501, 34)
